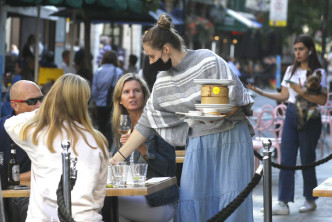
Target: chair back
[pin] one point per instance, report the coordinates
(266, 123)
(280, 115)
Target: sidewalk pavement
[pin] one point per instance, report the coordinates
(323, 213)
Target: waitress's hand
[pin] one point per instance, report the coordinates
(124, 138)
(254, 88)
(235, 108)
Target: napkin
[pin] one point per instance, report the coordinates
(156, 180)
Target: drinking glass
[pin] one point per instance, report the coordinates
(109, 182)
(138, 172)
(119, 170)
(125, 128)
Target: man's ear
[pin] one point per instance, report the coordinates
(14, 106)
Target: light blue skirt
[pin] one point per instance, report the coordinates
(216, 169)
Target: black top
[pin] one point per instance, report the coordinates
(21, 155)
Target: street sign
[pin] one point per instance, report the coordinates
(278, 13)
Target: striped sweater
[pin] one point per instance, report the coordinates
(175, 91)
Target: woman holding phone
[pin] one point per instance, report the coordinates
(292, 139)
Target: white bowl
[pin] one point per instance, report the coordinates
(195, 112)
(209, 110)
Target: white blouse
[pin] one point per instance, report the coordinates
(87, 196)
(299, 74)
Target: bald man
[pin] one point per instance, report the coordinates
(25, 96)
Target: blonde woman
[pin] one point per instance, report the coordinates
(130, 96)
(63, 115)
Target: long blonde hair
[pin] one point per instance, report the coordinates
(118, 108)
(64, 108)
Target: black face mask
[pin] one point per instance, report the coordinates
(160, 65)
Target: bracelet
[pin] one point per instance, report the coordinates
(121, 154)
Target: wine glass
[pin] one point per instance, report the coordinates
(125, 128)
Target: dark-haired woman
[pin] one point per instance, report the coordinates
(219, 155)
(292, 139)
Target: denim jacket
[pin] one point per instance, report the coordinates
(161, 163)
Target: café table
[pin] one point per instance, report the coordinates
(324, 189)
(155, 184)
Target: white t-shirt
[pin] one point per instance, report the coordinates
(299, 74)
(87, 196)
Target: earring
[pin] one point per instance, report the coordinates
(309, 52)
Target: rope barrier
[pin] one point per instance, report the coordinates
(231, 207)
(63, 213)
(303, 167)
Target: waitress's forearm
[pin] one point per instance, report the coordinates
(134, 141)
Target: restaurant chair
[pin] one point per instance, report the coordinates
(325, 112)
(267, 127)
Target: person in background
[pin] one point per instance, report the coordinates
(130, 96)
(105, 42)
(25, 96)
(14, 50)
(103, 83)
(148, 73)
(63, 115)
(81, 65)
(121, 62)
(219, 157)
(6, 108)
(48, 60)
(292, 139)
(28, 69)
(235, 67)
(65, 62)
(132, 64)
(28, 50)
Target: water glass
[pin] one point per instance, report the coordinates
(119, 171)
(109, 182)
(138, 172)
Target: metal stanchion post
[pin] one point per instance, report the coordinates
(267, 180)
(66, 174)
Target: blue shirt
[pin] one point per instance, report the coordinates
(234, 68)
(107, 75)
(102, 51)
(21, 155)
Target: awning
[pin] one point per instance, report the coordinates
(207, 2)
(105, 15)
(116, 5)
(237, 21)
(45, 11)
(175, 20)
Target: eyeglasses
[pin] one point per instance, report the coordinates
(31, 101)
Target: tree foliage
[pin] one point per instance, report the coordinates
(300, 14)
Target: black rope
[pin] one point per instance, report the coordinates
(303, 167)
(231, 207)
(63, 213)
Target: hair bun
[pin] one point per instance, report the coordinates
(165, 22)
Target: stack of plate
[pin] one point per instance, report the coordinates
(222, 108)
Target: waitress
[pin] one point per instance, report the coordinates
(219, 155)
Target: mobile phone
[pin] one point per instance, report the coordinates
(289, 81)
(20, 187)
